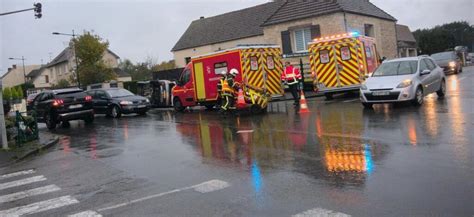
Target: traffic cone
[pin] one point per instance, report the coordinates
(303, 104)
(240, 99)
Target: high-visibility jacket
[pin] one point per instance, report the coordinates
(291, 75)
(226, 85)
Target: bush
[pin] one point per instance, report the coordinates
(7, 94)
(14, 94)
(20, 93)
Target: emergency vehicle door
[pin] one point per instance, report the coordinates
(272, 67)
(326, 70)
(347, 56)
(188, 86)
(199, 81)
(253, 69)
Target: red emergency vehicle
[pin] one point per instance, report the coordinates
(258, 66)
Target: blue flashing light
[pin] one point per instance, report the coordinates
(355, 34)
(369, 166)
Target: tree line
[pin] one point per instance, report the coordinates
(445, 37)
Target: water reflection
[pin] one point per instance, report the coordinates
(323, 145)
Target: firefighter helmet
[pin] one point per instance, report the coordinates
(234, 72)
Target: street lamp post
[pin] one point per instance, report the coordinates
(75, 54)
(24, 71)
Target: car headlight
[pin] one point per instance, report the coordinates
(405, 83)
(363, 87)
(124, 102)
(147, 100)
(452, 64)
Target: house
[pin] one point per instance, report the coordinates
(39, 77)
(290, 24)
(16, 75)
(406, 42)
(122, 76)
(62, 66)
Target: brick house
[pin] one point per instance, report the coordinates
(406, 42)
(16, 75)
(290, 24)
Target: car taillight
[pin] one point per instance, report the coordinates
(58, 102)
(88, 98)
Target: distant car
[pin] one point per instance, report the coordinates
(114, 102)
(404, 79)
(449, 61)
(63, 105)
(470, 58)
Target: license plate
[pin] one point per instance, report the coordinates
(141, 106)
(75, 106)
(381, 93)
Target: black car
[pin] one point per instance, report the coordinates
(114, 102)
(449, 61)
(63, 105)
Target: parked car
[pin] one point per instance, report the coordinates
(404, 79)
(29, 102)
(63, 105)
(449, 61)
(114, 102)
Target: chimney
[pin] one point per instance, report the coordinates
(202, 17)
(14, 66)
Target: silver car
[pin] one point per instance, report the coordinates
(404, 79)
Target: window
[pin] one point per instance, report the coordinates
(368, 51)
(324, 56)
(186, 76)
(396, 68)
(345, 53)
(220, 68)
(46, 79)
(302, 37)
(430, 63)
(369, 30)
(423, 66)
(253, 63)
(100, 95)
(270, 62)
(187, 59)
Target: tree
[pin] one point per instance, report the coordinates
(90, 50)
(7, 94)
(165, 65)
(444, 37)
(14, 93)
(20, 92)
(63, 83)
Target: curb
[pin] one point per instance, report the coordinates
(44, 146)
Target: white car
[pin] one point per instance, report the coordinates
(404, 79)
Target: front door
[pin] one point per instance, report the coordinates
(347, 57)
(188, 88)
(101, 101)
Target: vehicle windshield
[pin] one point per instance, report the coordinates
(396, 68)
(115, 93)
(442, 56)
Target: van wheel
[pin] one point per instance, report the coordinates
(177, 105)
(442, 89)
(50, 121)
(418, 100)
(209, 107)
(89, 120)
(328, 96)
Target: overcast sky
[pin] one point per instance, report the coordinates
(137, 29)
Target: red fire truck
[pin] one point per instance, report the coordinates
(259, 67)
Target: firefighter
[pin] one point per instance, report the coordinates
(228, 89)
(292, 77)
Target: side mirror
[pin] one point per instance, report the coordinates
(425, 72)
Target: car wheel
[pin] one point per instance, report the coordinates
(367, 105)
(418, 100)
(177, 105)
(115, 112)
(65, 124)
(89, 120)
(50, 121)
(442, 89)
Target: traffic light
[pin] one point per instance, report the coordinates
(37, 10)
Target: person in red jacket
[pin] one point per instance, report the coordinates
(291, 76)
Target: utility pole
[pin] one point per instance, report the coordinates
(3, 130)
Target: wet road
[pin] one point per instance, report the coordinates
(338, 160)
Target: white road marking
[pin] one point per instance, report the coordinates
(351, 100)
(320, 212)
(204, 187)
(88, 213)
(245, 131)
(210, 186)
(22, 182)
(28, 193)
(19, 173)
(39, 206)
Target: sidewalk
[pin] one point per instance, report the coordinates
(16, 154)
